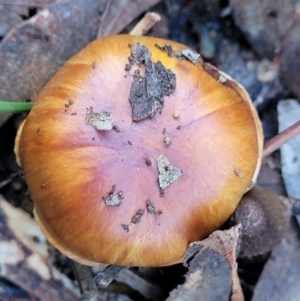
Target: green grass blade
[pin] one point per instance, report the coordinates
(15, 106)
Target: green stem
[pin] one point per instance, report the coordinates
(15, 106)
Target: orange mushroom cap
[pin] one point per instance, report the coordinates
(113, 189)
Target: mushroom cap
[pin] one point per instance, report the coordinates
(96, 192)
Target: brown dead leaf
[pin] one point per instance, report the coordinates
(32, 52)
(208, 276)
(272, 29)
(212, 270)
(24, 258)
(264, 23)
(14, 12)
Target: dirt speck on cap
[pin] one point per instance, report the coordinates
(167, 140)
(151, 208)
(138, 216)
(238, 173)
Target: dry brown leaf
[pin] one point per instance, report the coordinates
(264, 23)
(24, 258)
(33, 51)
(212, 270)
(14, 12)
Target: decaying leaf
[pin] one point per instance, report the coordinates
(32, 52)
(212, 269)
(24, 259)
(14, 12)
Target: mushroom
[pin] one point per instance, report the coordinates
(121, 196)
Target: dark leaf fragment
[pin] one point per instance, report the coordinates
(147, 93)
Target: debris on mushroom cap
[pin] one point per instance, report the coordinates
(147, 93)
(188, 54)
(176, 114)
(167, 140)
(191, 55)
(168, 173)
(170, 51)
(238, 173)
(113, 199)
(148, 162)
(125, 227)
(102, 121)
(138, 216)
(152, 209)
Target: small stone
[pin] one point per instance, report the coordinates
(176, 114)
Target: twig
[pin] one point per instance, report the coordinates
(145, 24)
(276, 142)
(5, 182)
(148, 290)
(85, 281)
(109, 274)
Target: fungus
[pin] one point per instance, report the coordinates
(196, 186)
